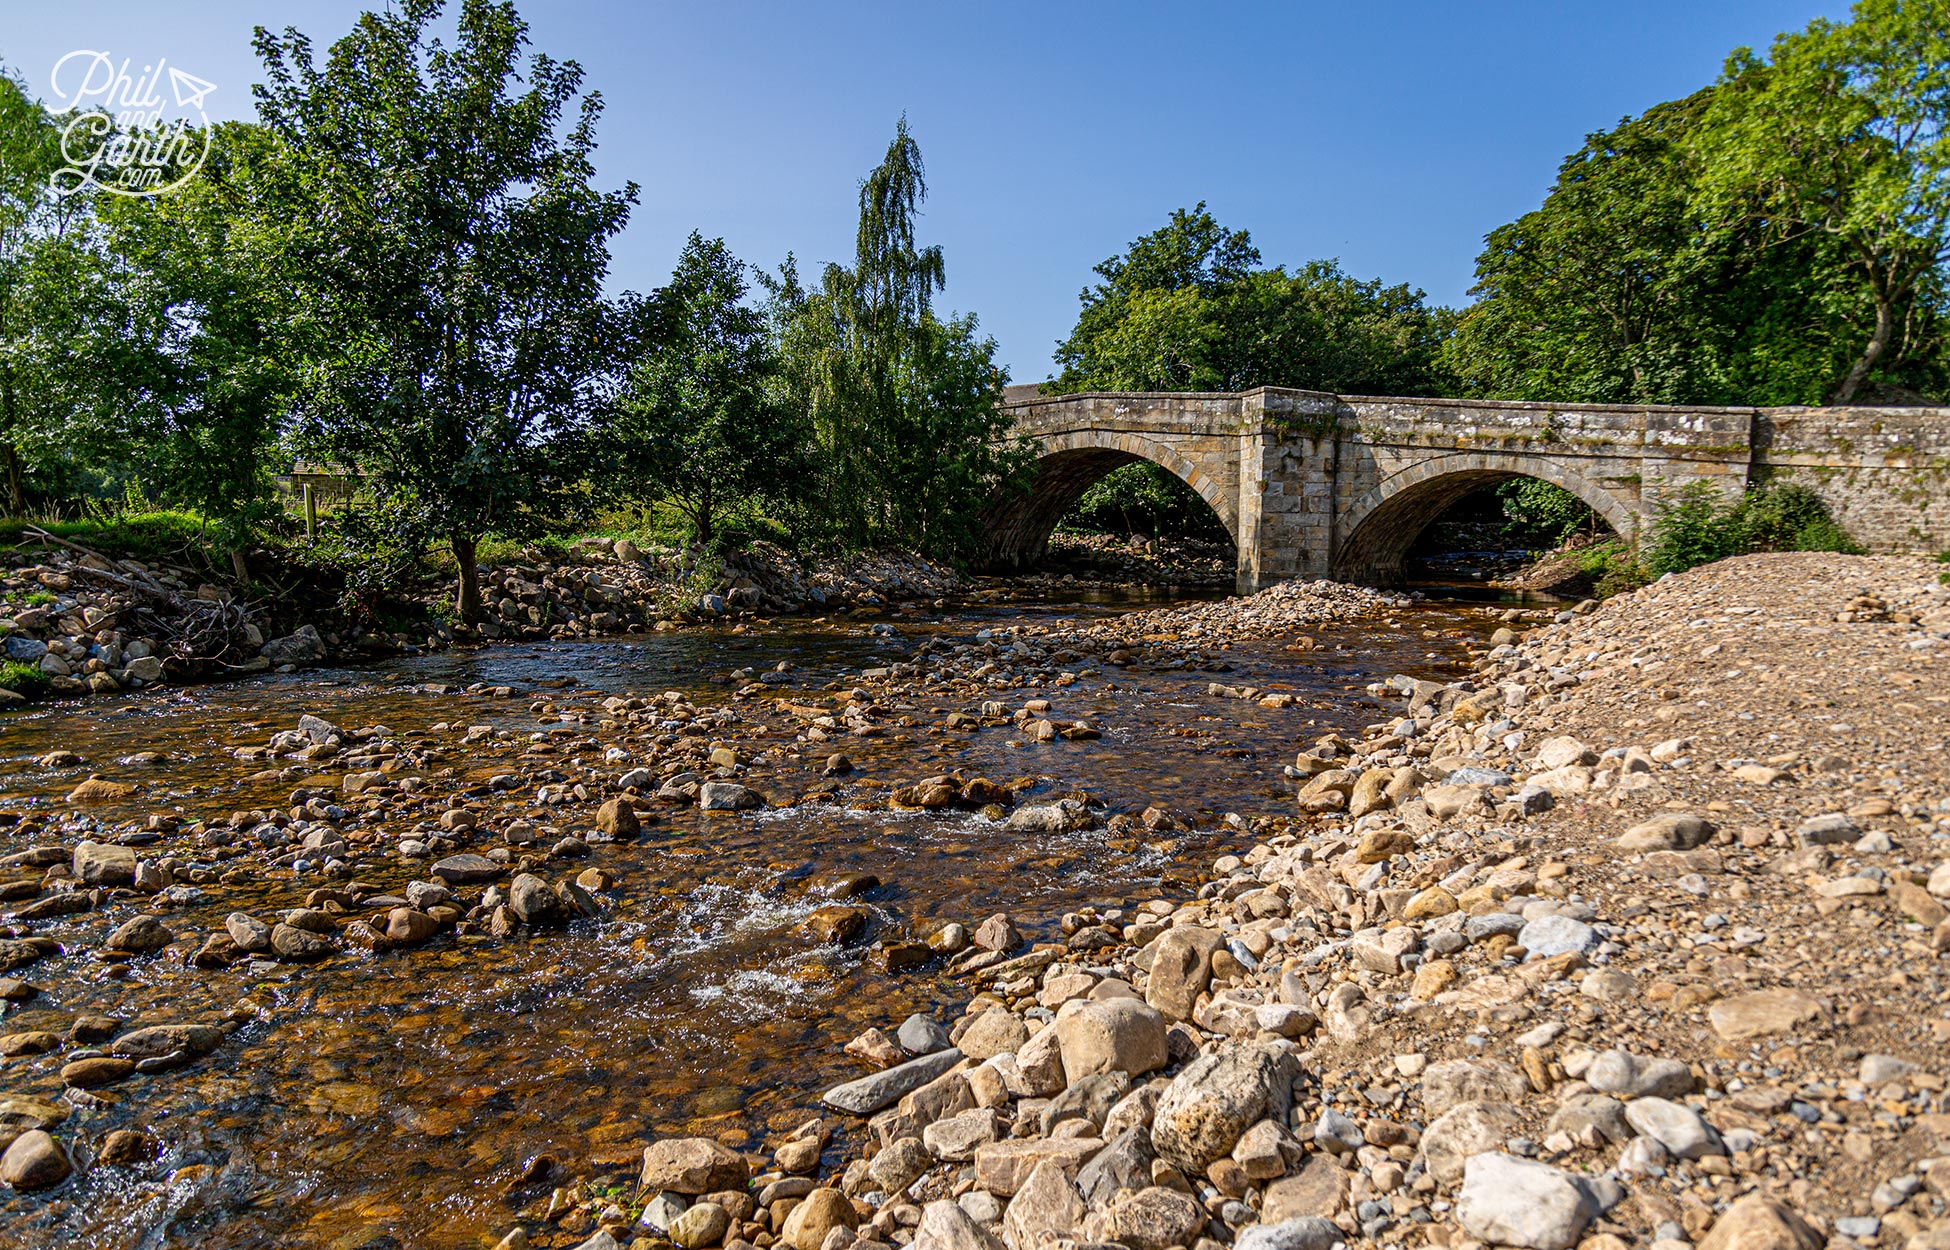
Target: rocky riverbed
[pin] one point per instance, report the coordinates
(1634, 934)
(559, 898)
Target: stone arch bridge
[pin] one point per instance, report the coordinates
(1316, 485)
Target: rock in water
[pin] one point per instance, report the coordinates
(727, 796)
(467, 870)
(535, 902)
(34, 1161)
(98, 864)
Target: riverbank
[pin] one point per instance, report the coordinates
(1637, 938)
(73, 621)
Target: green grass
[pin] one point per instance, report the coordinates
(129, 535)
(23, 679)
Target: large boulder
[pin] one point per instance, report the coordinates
(1153, 1218)
(1181, 968)
(1516, 1202)
(1305, 1232)
(945, 1226)
(992, 1033)
(1758, 1222)
(1047, 1205)
(870, 1093)
(1218, 1096)
(1762, 1013)
(1446, 1084)
(1465, 1130)
(301, 646)
(818, 1214)
(1109, 1035)
(693, 1165)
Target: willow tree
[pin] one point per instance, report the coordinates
(905, 405)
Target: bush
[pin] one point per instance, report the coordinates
(23, 679)
(1696, 526)
(1613, 567)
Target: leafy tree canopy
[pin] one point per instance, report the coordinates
(1189, 307)
(448, 250)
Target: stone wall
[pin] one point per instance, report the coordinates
(1883, 472)
(1312, 485)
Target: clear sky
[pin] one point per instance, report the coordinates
(1390, 135)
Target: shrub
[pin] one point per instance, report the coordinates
(1697, 526)
(22, 678)
(1613, 566)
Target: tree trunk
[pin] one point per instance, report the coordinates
(15, 485)
(1859, 372)
(467, 592)
(240, 572)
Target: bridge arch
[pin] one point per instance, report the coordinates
(1380, 526)
(1071, 462)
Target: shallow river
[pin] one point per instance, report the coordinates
(391, 1099)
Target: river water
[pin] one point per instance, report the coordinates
(392, 1099)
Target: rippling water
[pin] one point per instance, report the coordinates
(396, 1096)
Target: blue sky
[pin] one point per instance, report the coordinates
(1390, 135)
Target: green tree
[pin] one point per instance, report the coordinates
(448, 250)
(1628, 286)
(1842, 134)
(905, 406)
(1188, 307)
(700, 424)
(39, 273)
(185, 359)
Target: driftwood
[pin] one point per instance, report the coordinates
(193, 631)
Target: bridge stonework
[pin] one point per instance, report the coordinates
(1317, 485)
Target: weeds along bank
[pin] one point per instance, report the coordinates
(74, 621)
